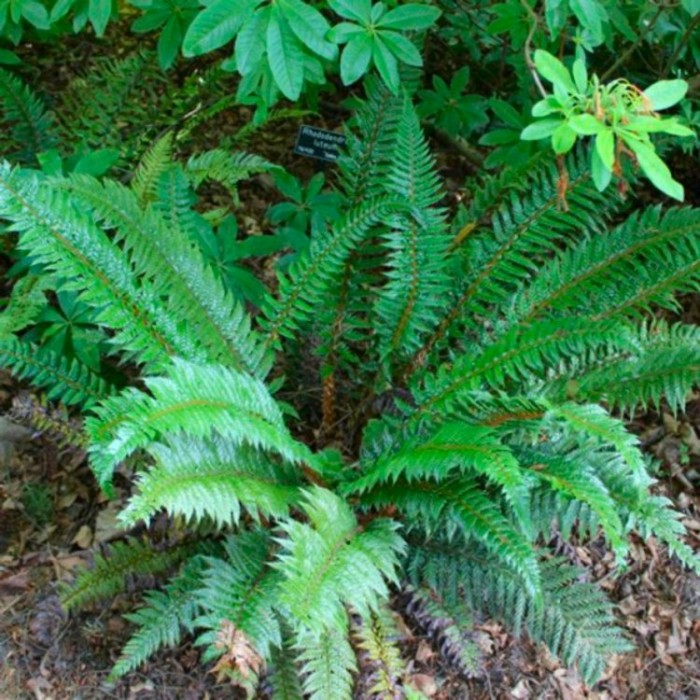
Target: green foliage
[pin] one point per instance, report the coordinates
(447, 105)
(474, 370)
(107, 576)
(616, 114)
(32, 126)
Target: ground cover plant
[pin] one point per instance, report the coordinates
(424, 392)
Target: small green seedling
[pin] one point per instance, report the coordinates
(620, 116)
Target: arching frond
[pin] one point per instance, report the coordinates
(333, 561)
(213, 479)
(194, 399)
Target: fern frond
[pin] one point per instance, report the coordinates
(197, 400)
(114, 104)
(520, 355)
(327, 663)
(152, 165)
(408, 305)
(283, 677)
(573, 619)
(572, 478)
(109, 574)
(461, 503)
(69, 244)
(453, 447)
(320, 268)
(597, 275)
(227, 169)
(524, 232)
(242, 590)
(665, 366)
(377, 637)
(450, 622)
(33, 125)
(61, 378)
(370, 145)
(25, 303)
(657, 516)
(213, 478)
(176, 268)
(160, 620)
(333, 561)
(594, 421)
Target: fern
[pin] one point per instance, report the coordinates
(68, 243)
(377, 637)
(408, 304)
(226, 168)
(160, 620)
(212, 478)
(26, 302)
(109, 574)
(450, 624)
(33, 128)
(334, 561)
(574, 619)
(462, 368)
(241, 588)
(328, 662)
(114, 104)
(176, 269)
(194, 399)
(64, 380)
(154, 163)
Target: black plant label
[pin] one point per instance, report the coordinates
(319, 143)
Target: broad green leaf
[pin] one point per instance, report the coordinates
(285, 56)
(540, 130)
(555, 14)
(691, 6)
(310, 27)
(386, 64)
(580, 74)
(410, 17)
(355, 59)
(507, 113)
(61, 9)
(653, 125)
(547, 106)
(563, 139)
(344, 32)
(552, 69)
(151, 21)
(216, 25)
(601, 175)
(99, 12)
(591, 14)
(9, 58)
(250, 42)
(666, 93)
(605, 148)
(586, 125)
(35, 13)
(169, 42)
(98, 162)
(401, 47)
(654, 168)
(359, 10)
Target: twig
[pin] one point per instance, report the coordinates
(681, 44)
(528, 44)
(631, 49)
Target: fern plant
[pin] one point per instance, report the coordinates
(466, 377)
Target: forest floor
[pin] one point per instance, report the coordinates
(53, 520)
